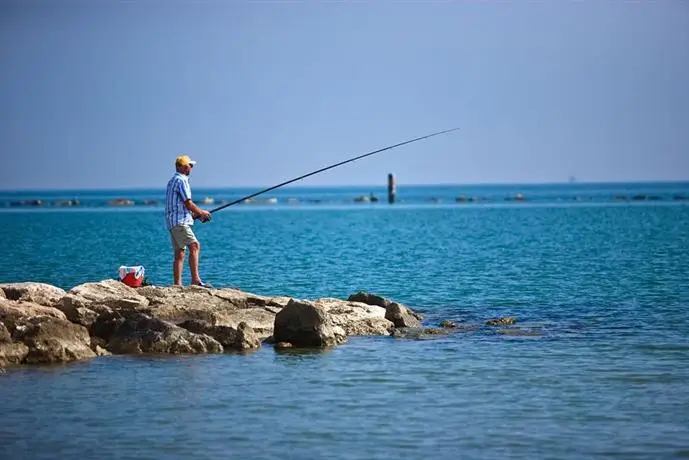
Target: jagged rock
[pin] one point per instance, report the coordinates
(304, 324)
(448, 323)
(53, 340)
(74, 308)
(2, 294)
(356, 318)
(242, 337)
(502, 321)
(40, 293)
(140, 333)
(5, 336)
(12, 311)
(400, 315)
(10, 352)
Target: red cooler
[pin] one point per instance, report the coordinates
(132, 276)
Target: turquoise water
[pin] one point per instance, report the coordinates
(603, 282)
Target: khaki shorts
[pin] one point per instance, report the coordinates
(182, 236)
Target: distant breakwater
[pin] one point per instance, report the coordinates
(125, 202)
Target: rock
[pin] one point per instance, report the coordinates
(12, 312)
(420, 333)
(283, 345)
(218, 307)
(304, 324)
(74, 308)
(53, 340)
(113, 294)
(448, 323)
(242, 337)
(356, 318)
(400, 315)
(40, 293)
(99, 351)
(5, 336)
(99, 318)
(139, 333)
(502, 321)
(10, 352)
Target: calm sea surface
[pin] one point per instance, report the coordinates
(597, 274)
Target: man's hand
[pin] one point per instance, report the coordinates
(203, 216)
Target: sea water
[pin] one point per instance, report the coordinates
(599, 279)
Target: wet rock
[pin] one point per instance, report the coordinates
(40, 293)
(401, 316)
(447, 323)
(398, 314)
(283, 345)
(242, 337)
(304, 324)
(53, 340)
(139, 333)
(420, 333)
(502, 321)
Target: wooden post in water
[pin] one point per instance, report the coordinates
(391, 188)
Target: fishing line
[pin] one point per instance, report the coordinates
(282, 184)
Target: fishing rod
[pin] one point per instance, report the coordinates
(282, 184)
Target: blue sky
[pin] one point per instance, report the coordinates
(105, 94)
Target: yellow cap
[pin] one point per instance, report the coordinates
(184, 160)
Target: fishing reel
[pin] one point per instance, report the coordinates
(203, 220)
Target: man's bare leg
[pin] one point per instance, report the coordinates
(194, 250)
(177, 266)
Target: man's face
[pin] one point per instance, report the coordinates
(186, 169)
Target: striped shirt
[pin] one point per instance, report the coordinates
(178, 191)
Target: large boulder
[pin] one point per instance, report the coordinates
(53, 340)
(40, 293)
(138, 333)
(304, 324)
(356, 318)
(398, 314)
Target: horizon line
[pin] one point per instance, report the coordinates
(339, 185)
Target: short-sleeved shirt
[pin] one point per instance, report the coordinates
(178, 191)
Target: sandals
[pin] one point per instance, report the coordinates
(202, 284)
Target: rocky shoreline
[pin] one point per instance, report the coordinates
(43, 324)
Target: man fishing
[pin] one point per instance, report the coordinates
(180, 212)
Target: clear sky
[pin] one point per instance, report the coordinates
(105, 94)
